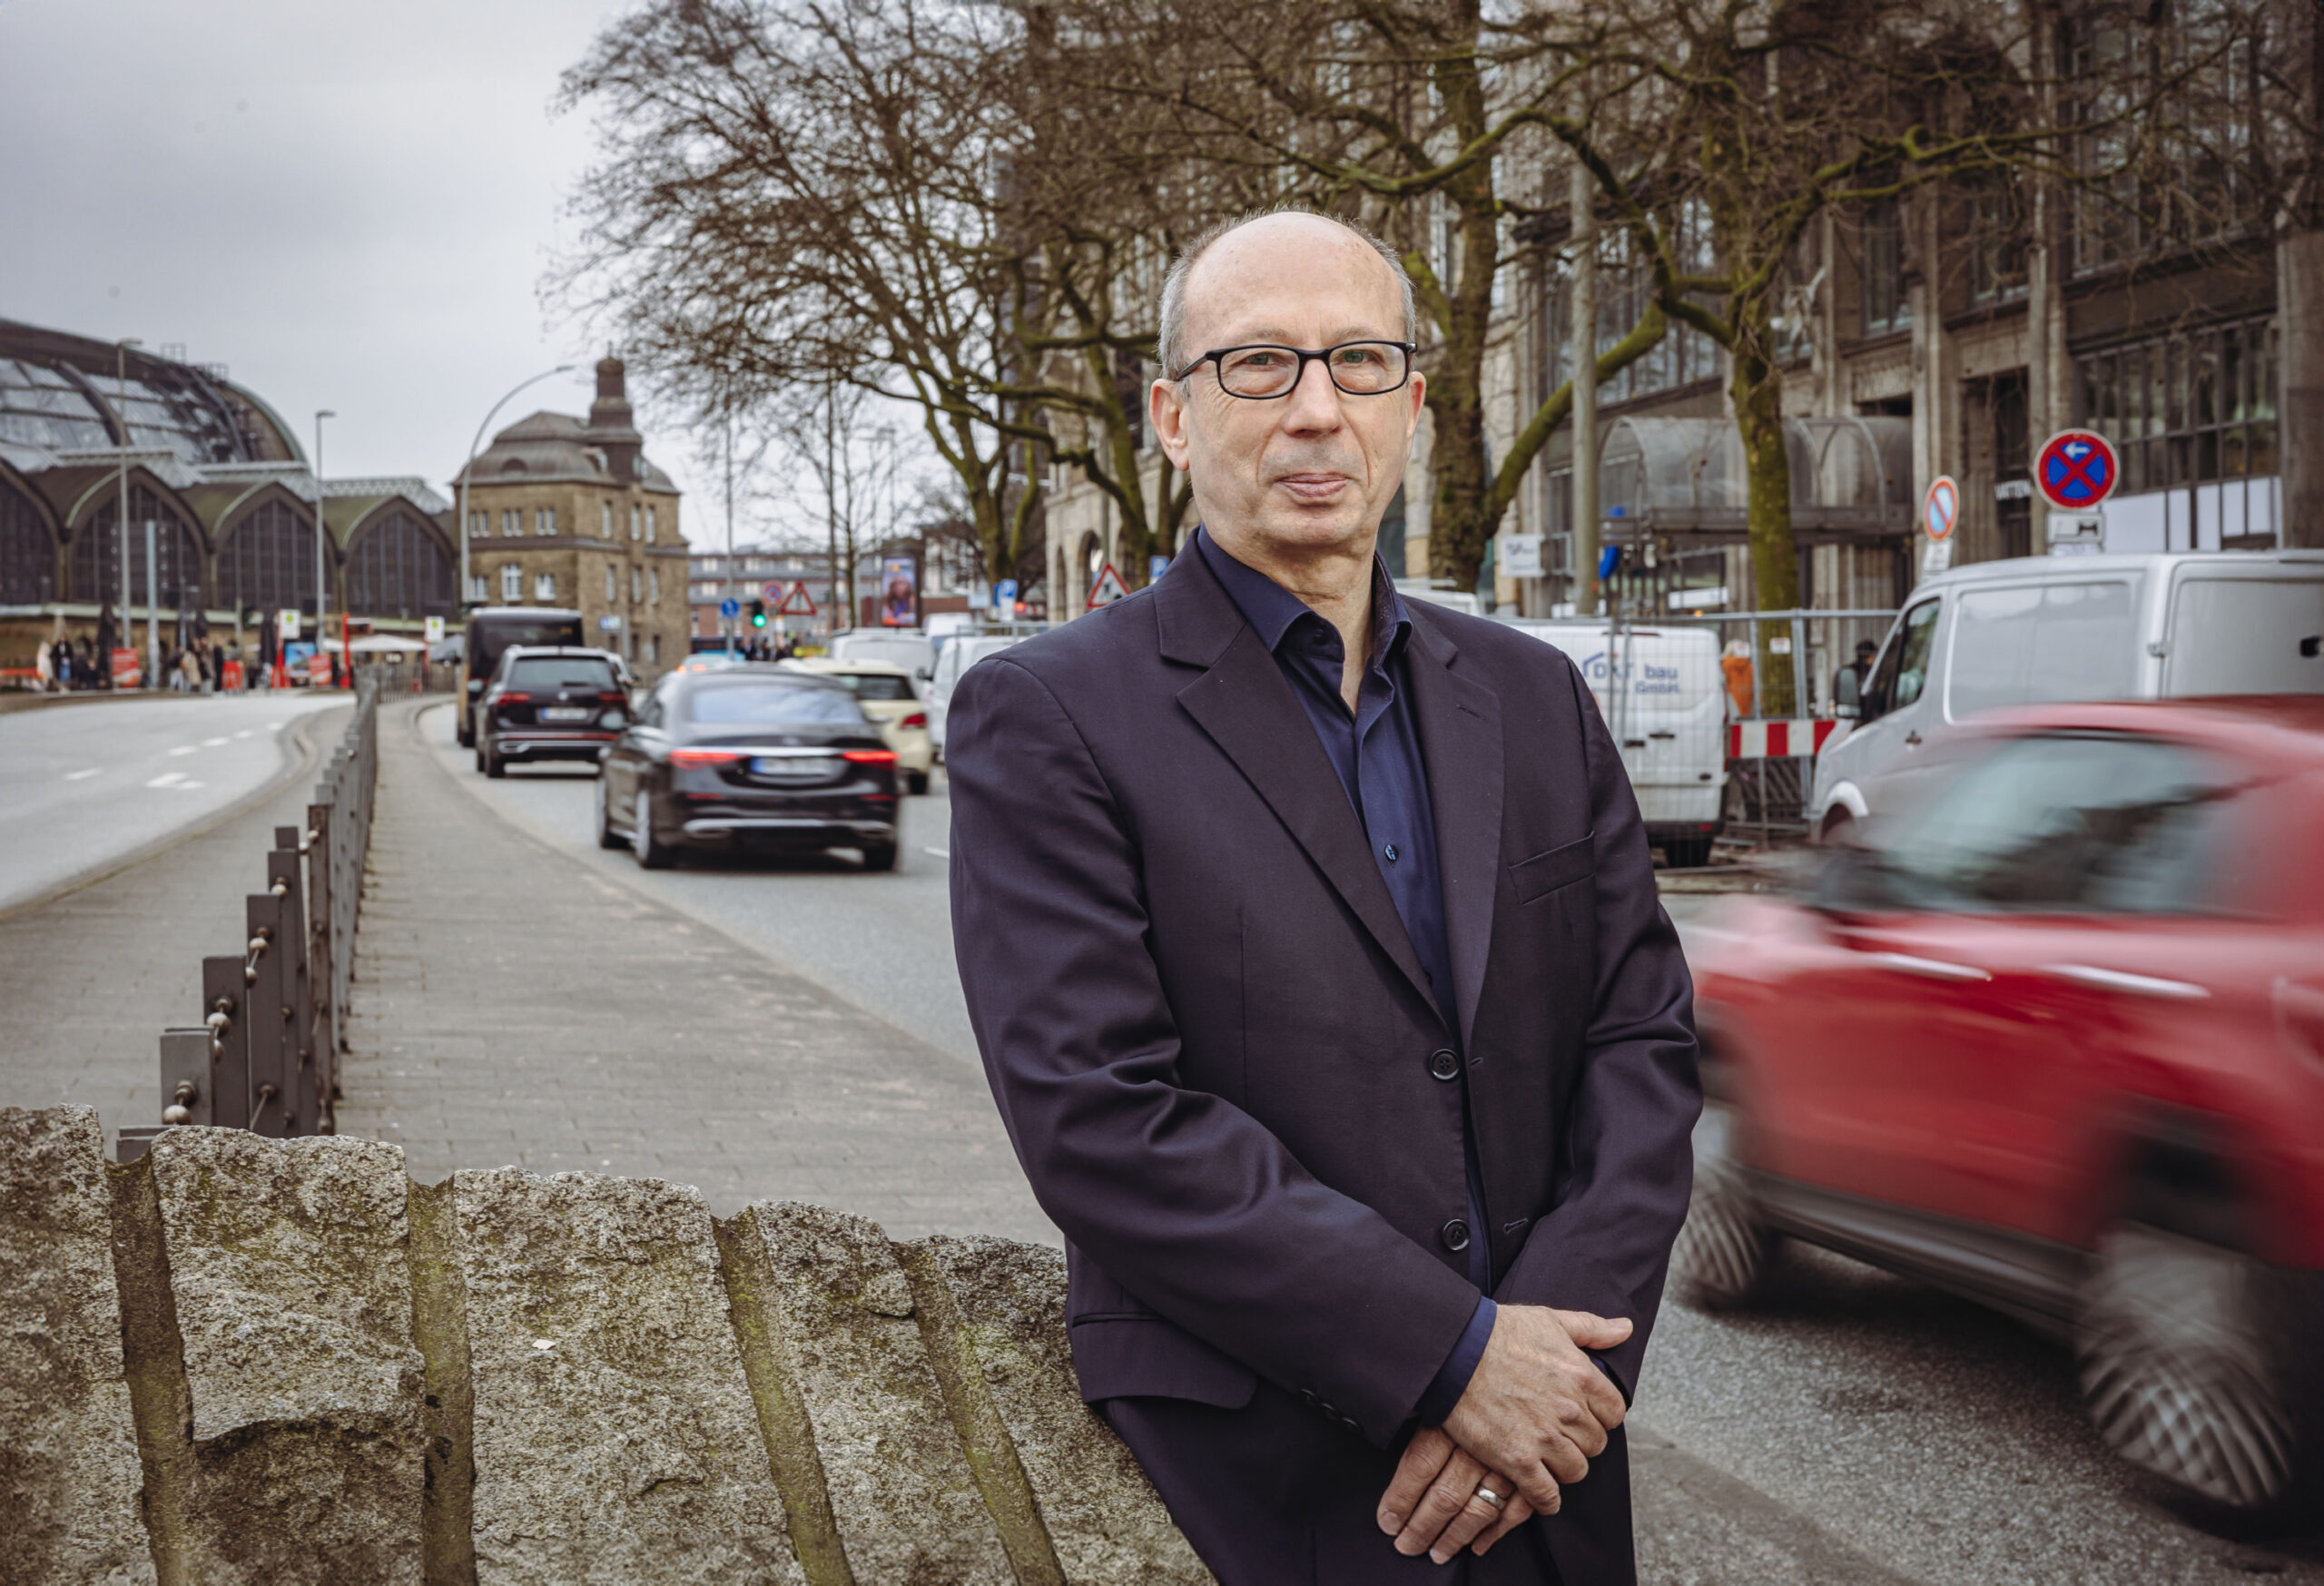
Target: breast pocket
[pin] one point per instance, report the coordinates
(1562, 866)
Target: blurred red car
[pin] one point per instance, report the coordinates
(2055, 1041)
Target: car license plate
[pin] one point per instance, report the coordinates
(792, 767)
(566, 713)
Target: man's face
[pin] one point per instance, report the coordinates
(1315, 469)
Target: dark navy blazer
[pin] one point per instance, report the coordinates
(1217, 1053)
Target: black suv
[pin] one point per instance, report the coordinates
(549, 703)
(749, 758)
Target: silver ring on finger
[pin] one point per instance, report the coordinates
(1491, 1497)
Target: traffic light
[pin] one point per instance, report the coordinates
(758, 614)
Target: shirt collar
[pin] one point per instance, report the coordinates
(1271, 609)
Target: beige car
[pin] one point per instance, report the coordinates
(888, 697)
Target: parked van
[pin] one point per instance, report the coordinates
(906, 647)
(960, 652)
(1662, 697)
(2036, 630)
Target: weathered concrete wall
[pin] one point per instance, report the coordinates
(249, 1360)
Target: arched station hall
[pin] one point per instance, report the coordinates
(224, 485)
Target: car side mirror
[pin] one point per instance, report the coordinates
(925, 675)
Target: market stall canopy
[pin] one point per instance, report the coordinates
(1851, 479)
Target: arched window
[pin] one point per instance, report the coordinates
(268, 560)
(177, 554)
(27, 553)
(397, 568)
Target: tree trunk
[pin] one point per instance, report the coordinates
(1757, 391)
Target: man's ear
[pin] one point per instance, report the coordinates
(1166, 407)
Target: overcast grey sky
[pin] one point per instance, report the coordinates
(349, 203)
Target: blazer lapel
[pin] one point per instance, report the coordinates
(1461, 743)
(1243, 703)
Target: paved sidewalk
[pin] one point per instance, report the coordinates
(512, 1007)
(88, 981)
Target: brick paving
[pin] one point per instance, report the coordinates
(512, 1007)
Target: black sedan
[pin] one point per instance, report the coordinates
(549, 701)
(749, 758)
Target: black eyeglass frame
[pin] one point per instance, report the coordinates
(1407, 347)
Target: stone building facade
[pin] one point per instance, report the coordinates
(567, 512)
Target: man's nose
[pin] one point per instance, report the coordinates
(1313, 401)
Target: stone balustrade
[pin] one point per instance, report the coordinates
(241, 1359)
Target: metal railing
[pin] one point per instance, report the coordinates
(265, 1057)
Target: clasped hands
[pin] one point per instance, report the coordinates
(1536, 1413)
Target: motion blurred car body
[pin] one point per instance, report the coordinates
(758, 757)
(2056, 1043)
(549, 703)
(960, 652)
(2030, 630)
(887, 696)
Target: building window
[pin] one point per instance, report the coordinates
(545, 589)
(611, 593)
(635, 585)
(652, 649)
(605, 520)
(1882, 268)
(651, 527)
(478, 591)
(2183, 410)
(267, 560)
(544, 520)
(480, 524)
(636, 527)
(1625, 287)
(654, 584)
(97, 554)
(1998, 240)
(512, 583)
(398, 569)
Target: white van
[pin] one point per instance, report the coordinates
(2034, 630)
(960, 652)
(906, 647)
(1670, 716)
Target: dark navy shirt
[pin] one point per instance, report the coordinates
(1376, 751)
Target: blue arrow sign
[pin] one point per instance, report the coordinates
(730, 607)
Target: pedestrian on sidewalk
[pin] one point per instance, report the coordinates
(1329, 1002)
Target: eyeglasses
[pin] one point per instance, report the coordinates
(1361, 369)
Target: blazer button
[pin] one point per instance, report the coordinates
(1444, 1065)
(1455, 1235)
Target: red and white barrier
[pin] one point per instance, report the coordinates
(1778, 739)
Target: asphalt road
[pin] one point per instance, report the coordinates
(1857, 1429)
(83, 787)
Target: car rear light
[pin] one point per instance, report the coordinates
(693, 758)
(870, 756)
(514, 696)
(917, 719)
(613, 697)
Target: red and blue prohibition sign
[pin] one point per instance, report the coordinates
(2076, 470)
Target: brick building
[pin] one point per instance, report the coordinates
(567, 512)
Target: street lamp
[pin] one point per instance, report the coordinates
(468, 467)
(321, 414)
(120, 509)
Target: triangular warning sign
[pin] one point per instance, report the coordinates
(1108, 589)
(798, 603)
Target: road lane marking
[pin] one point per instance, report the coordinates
(167, 779)
(274, 726)
(185, 749)
(77, 776)
(243, 734)
(211, 743)
(939, 853)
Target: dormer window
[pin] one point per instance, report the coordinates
(514, 465)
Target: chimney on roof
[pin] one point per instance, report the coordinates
(611, 425)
